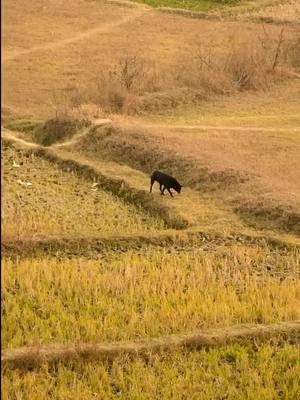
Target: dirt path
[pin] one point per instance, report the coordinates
(189, 238)
(28, 357)
(10, 136)
(135, 13)
(222, 128)
(76, 138)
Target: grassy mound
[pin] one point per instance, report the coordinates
(57, 130)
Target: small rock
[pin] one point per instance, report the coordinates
(15, 165)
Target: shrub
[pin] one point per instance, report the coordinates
(135, 84)
(56, 129)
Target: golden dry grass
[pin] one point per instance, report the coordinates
(285, 10)
(277, 108)
(254, 171)
(60, 203)
(63, 68)
(50, 50)
(63, 74)
(270, 371)
(63, 20)
(150, 292)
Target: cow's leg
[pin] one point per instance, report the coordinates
(170, 192)
(151, 184)
(162, 189)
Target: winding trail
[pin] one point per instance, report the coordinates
(76, 138)
(222, 128)
(136, 13)
(105, 121)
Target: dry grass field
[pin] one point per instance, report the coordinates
(254, 172)
(58, 53)
(81, 208)
(283, 11)
(97, 95)
(270, 371)
(150, 292)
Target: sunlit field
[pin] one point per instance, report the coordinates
(59, 203)
(109, 291)
(268, 371)
(144, 293)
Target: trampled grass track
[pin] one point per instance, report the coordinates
(28, 357)
(137, 12)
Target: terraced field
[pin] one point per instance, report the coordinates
(147, 293)
(270, 370)
(109, 291)
(59, 203)
(144, 284)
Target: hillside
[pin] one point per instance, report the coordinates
(109, 291)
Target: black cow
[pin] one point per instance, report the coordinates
(165, 182)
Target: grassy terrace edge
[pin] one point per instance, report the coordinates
(29, 357)
(178, 232)
(84, 245)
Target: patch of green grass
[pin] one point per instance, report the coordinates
(195, 5)
(270, 371)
